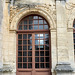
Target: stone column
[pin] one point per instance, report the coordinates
(63, 66)
(61, 33)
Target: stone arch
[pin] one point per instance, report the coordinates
(38, 11)
(71, 19)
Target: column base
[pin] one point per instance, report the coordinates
(63, 69)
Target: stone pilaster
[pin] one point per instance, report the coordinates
(61, 33)
(63, 66)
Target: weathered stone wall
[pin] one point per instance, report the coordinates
(70, 12)
(1, 18)
(1, 12)
(61, 28)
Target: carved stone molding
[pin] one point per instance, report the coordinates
(18, 12)
(70, 6)
(6, 68)
(70, 9)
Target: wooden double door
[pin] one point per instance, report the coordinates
(33, 53)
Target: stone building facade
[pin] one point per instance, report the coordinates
(59, 14)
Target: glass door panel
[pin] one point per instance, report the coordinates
(42, 51)
(24, 51)
(33, 47)
(41, 48)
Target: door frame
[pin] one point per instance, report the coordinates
(32, 31)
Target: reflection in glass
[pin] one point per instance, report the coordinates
(24, 53)
(30, 53)
(47, 65)
(19, 47)
(36, 65)
(42, 65)
(42, 47)
(19, 42)
(41, 36)
(40, 26)
(24, 65)
(25, 22)
(24, 36)
(41, 59)
(24, 41)
(36, 42)
(35, 17)
(29, 41)
(40, 21)
(25, 27)
(19, 65)
(74, 25)
(24, 59)
(35, 27)
(30, 21)
(46, 35)
(24, 47)
(29, 65)
(30, 17)
(47, 41)
(36, 36)
(41, 42)
(46, 47)
(29, 47)
(19, 59)
(45, 22)
(36, 47)
(19, 53)
(29, 36)
(47, 53)
(36, 59)
(29, 59)
(35, 21)
(42, 53)
(20, 27)
(37, 53)
(40, 18)
(45, 26)
(47, 59)
(19, 36)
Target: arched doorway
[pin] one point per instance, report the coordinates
(33, 46)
